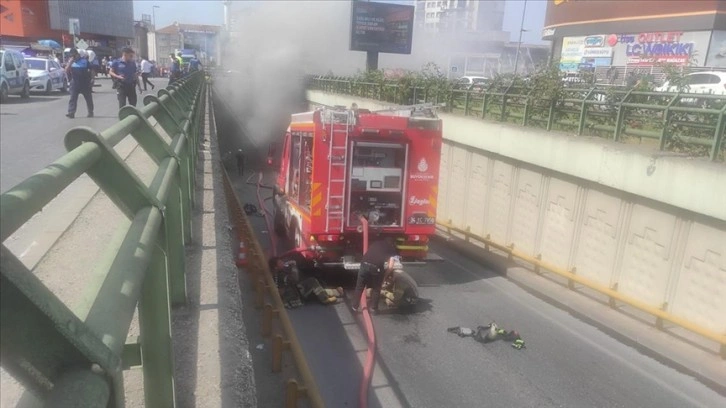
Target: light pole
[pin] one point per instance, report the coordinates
(521, 31)
(153, 16)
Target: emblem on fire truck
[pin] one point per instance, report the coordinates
(423, 165)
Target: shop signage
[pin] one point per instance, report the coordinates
(651, 48)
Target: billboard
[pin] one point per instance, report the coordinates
(381, 27)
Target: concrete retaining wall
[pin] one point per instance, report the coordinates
(649, 224)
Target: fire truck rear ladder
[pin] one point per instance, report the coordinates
(337, 156)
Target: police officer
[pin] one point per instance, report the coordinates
(125, 71)
(194, 64)
(174, 69)
(375, 265)
(79, 70)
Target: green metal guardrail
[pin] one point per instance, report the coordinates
(694, 123)
(72, 363)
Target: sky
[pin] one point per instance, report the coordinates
(211, 12)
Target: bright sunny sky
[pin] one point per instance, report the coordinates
(211, 12)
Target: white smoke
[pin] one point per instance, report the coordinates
(276, 43)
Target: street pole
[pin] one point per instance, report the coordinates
(153, 16)
(521, 31)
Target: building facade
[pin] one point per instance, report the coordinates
(460, 15)
(202, 38)
(105, 26)
(637, 34)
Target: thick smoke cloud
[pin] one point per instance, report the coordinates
(277, 42)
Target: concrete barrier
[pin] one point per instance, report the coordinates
(649, 225)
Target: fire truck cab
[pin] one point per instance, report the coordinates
(340, 164)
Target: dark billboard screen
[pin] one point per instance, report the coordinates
(381, 27)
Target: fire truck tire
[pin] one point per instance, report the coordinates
(279, 223)
(294, 235)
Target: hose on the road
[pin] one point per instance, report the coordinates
(266, 214)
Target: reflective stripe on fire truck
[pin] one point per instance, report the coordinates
(433, 196)
(316, 202)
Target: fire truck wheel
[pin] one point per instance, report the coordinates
(279, 223)
(294, 235)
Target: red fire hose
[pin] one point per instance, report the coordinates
(370, 333)
(265, 213)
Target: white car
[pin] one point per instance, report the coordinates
(473, 82)
(709, 82)
(46, 75)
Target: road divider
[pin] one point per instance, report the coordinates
(267, 298)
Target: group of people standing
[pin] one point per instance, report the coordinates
(125, 73)
(178, 68)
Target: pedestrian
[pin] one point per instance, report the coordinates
(124, 71)
(240, 162)
(104, 64)
(632, 79)
(146, 72)
(612, 75)
(377, 263)
(194, 64)
(79, 70)
(175, 69)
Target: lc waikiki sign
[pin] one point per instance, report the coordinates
(653, 48)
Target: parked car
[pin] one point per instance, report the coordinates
(709, 82)
(13, 75)
(46, 75)
(472, 82)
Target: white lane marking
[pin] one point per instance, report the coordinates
(580, 336)
(22, 254)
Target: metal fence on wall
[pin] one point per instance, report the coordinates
(693, 124)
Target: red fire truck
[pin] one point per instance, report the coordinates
(340, 164)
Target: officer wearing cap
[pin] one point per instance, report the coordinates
(125, 71)
(79, 70)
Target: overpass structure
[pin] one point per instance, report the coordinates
(626, 309)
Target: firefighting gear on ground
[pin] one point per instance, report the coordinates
(294, 291)
(489, 333)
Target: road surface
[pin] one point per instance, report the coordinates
(32, 130)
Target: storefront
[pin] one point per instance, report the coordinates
(696, 48)
(591, 34)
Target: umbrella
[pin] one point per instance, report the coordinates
(50, 43)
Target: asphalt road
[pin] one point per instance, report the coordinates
(32, 130)
(567, 362)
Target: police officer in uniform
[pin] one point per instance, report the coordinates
(79, 70)
(125, 71)
(376, 264)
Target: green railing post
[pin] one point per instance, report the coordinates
(527, 108)
(551, 115)
(664, 134)
(155, 325)
(485, 103)
(503, 114)
(718, 140)
(583, 112)
(467, 100)
(620, 119)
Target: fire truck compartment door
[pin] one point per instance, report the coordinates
(376, 179)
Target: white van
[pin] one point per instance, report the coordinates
(13, 75)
